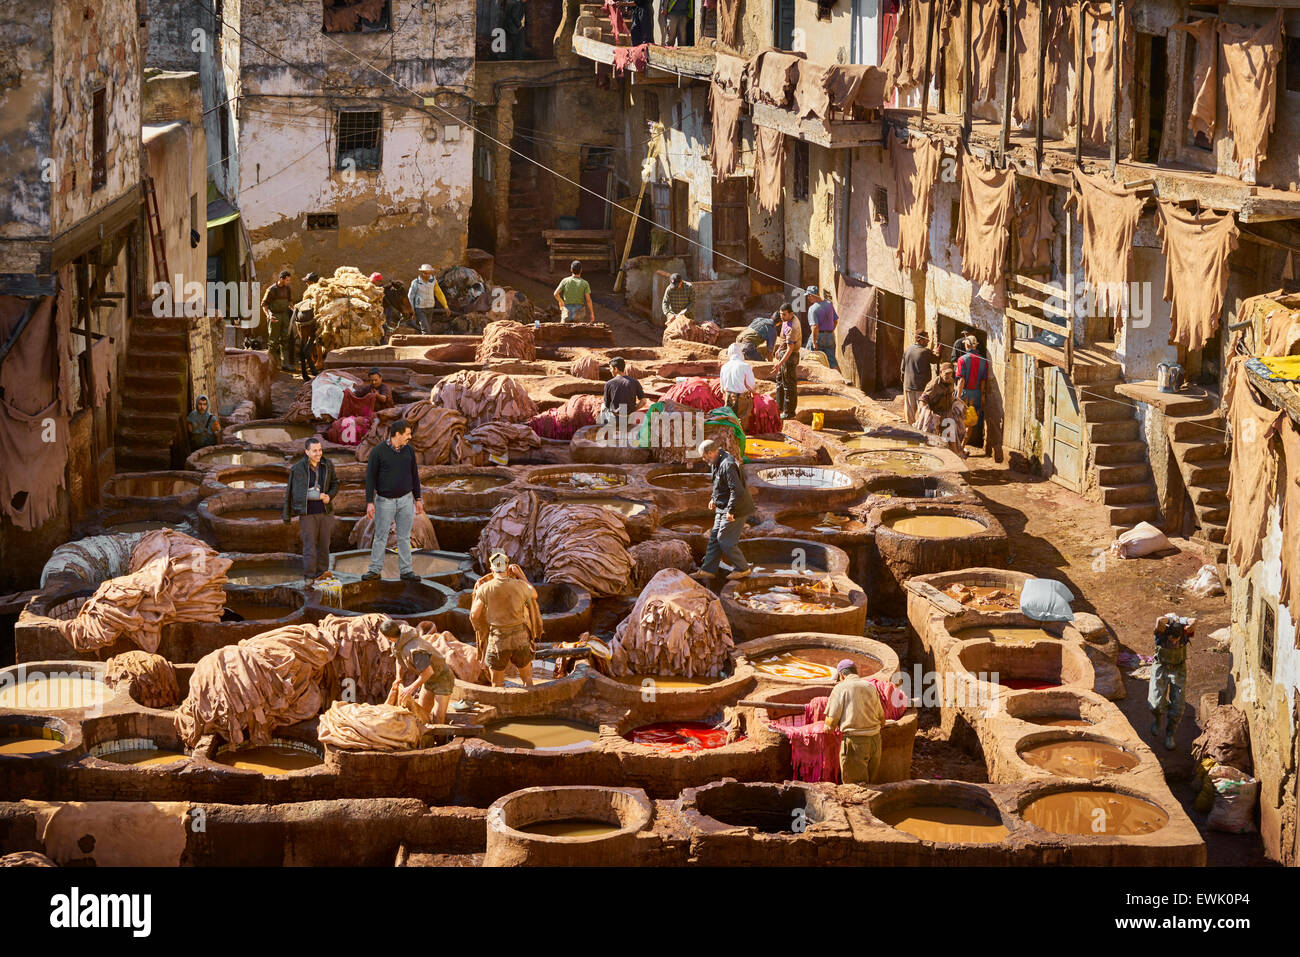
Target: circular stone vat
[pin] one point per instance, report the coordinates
(541, 734)
(680, 478)
(281, 756)
(794, 556)
(271, 432)
(837, 408)
(243, 477)
(1006, 634)
(812, 663)
(947, 813)
(126, 523)
(934, 526)
(1076, 756)
(885, 440)
(942, 486)
(1040, 666)
(447, 568)
(692, 526)
(408, 602)
(796, 659)
(1081, 810)
(264, 570)
(895, 461)
(47, 686)
(275, 605)
(566, 826)
(589, 479)
(458, 530)
(457, 487)
(592, 444)
(137, 752)
(673, 696)
(1057, 709)
(809, 486)
(776, 604)
(640, 518)
(767, 808)
(831, 525)
(566, 612)
(218, 456)
(250, 521)
(178, 490)
(35, 736)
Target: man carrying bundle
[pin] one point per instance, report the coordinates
(434, 680)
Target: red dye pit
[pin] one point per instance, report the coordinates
(1028, 684)
(676, 736)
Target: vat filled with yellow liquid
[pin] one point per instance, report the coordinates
(829, 403)
(540, 734)
(1006, 634)
(28, 744)
(52, 693)
(1095, 813)
(269, 758)
(946, 825)
(813, 664)
(136, 752)
(770, 449)
(571, 827)
(896, 461)
(936, 526)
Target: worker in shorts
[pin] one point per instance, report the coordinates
(434, 682)
(506, 620)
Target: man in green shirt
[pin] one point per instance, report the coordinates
(855, 711)
(574, 295)
(678, 14)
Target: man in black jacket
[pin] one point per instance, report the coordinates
(393, 498)
(309, 495)
(732, 504)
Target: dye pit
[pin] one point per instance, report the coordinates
(935, 526)
(255, 479)
(700, 526)
(792, 599)
(947, 825)
(54, 694)
(1079, 758)
(426, 566)
(984, 597)
(141, 526)
(253, 458)
(1047, 721)
(251, 515)
(263, 573)
(625, 507)
(882, 443)
(679, 736)
(270, 759)
(466, 484)
(582, 481)
(1006, 634)
(670, 682)
(826, 523)
(830, 403)
(900, 462)
(142, 757)
(770, 449)
(813, 664)
(28, 745)
(273, 434)
(572, 827)
(683, 481)
(540, 734)
(1080, 812)
(248, 610)
(145, 487)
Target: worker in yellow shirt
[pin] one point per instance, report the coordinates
(854, 710)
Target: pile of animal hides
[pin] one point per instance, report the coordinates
(682, 329)
(505, 339)
(676, 627)
(583, 545)
(651, 557)
(351, 726)
(172, 577)
(578, 412)
(437, 434)
(92, 560)
(149, 679)
(706, 394)
(348, 308)
(423, 535)
(484, 397)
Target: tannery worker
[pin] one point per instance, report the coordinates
(915, 373)
(393, 498)
(1168, 684)
(854, 710)
(787, 363)
(679, 297)
(731, 504)
(972, 372)
(738, 383)
(375, 383)
(309, 495)
(574, 296)
(822, 320)
(677, 16)
(506, 619)
(277, 307)
(425, 295)
(204, 427)
(623, 394)
(434, 681)
(758, 338)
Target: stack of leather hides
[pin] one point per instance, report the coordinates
(505, 339)
(676, 627)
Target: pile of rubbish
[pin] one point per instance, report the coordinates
(583, 545)
(348, 308)
(172, 577)
(677, 627)
(505, 339)
(484, 397)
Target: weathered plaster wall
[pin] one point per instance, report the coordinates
(26, 72)
(96, 45)
(1269, 702)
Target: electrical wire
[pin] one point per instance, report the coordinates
(1079, 391)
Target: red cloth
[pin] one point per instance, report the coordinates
(765, 419)
(638, 58)
(348, 430)
(354, 405)
(814, 750)
(893, 701)
(697, 392)
(815, 710)
(578, 412)
(677, 736)
(616, 24)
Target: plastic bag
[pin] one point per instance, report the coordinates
(972, 417)
(1142, 539)
(1044, 599)
(1234, 800)
(327, 393)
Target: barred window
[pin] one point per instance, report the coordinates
(360, 134)
(800, 170)
(98, 139)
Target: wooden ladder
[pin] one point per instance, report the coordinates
(155, 231)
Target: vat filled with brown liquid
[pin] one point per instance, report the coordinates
(141, 526)
(813, 663)
(41, 693)
(572, 827)
(1006, 634)
(699, 526)
(897, 462)
(1094, 813)
(829, 403)
(255, 478)
(1048, 721)
(251, 515)
(540, 734)
(825, 523)
(263, 573)
(273, 434)
(243, 609)
(936, 526)
(947, 825)
(140, 757)
(269, 758)
(792, 599)
(625, 507)
(683, 481)
(1079, 758)
(466, 484)
(253, 459)
(28, 745)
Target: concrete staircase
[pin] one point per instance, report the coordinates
(1121, 479)
(153, 395)
(1199, 443)
(525, 203)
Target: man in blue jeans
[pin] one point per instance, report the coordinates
(732, 504)
(393, 497)
(822, 320)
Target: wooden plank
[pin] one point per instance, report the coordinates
(1024, 300)
(1028, 283)
(830, 134)
(578, 233)
(1036, 322)
(945, 603)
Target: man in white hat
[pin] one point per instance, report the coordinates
(506, 619)
(425, 295)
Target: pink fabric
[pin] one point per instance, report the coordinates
(638, 58)
(352, 405)
(765, 419)
(814, 750)
(616, 24)
(697, 392)
(815, 710)
(579, 411)
(893, 701)
(348, 430)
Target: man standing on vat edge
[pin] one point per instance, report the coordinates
(854, 710)
(507, 620)
(732, 504)
(393, 498)
(309, 495)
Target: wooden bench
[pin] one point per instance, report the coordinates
(584, 245)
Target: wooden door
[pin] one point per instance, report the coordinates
(730, 225)
(1063, 438)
